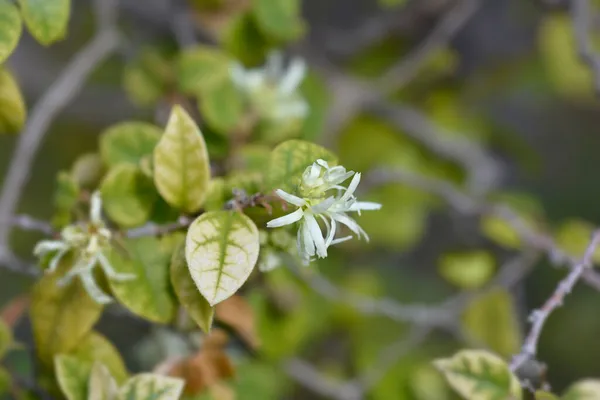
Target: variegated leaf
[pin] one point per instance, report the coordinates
(221, 251)
(181, 165)
(151, 387)
(102, 385)
(587, 389)
(72, 376)
(480, 375)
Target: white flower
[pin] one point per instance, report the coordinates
(87, 243)
(318, 203)
(273, 91)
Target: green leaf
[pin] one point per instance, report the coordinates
(148, 77)
(222, 106)
(480, 375)
(61, 316)
(66, 196)
(87, 171)
(467, 270)
(128, 142)
(46, 20)
(151, 387)
(540, 395)
(96, 348)
(149, 294)
(12, 105)
(187, 292)
(245, 41)
(279, 19)
(6, 338)
(573, 236)
(72, 375)
(5, 381)
(201, 68)
(128, 195)
(101, 384)
(10, 29)
(492, 319)
(221, 250)
(289, 160)
(587, 389)
(181, 165)
(315, 92)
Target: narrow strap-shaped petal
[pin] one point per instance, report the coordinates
(323, 206)
(56, 259)
(294, 75)
(351, 187)
(365, 205)
(350, 223)
(96, 208)
(340, 240)
(290, 198)
(286, 219)
(46, 246)
(110, 271)
(93, 290)
(308, 243)
(316, 235)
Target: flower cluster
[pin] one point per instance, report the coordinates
(273, 90)
(86, 242)
(323, 198)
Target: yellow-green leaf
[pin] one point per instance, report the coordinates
(10, 29)
(181, 165)
(279, 19)
(480, 375)
(128, 142)
(201, 68)
(128, 195)
(147, 77)
(289, 160)
(574, 236)
(65, 198)
(467, 270)
(187, 292)
(222, 106)
(151, 387)
(101, 384)
(87, 170)
(6, 338)
(149, 294)
(72, 375)
(96, 348)
(12, 105)
(492, 319)
(221, 250)
(5, 381)
(46, 20)
(60, 316)
(587, 389)
(540, 395)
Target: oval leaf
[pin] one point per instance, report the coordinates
(468, 270)
(46, 19)
(222, 106)
(10, 29)
(12, 105)
(148, 76)
(128, 195)
(587, 389)
(96, 348)
(181, 166)
(151, 387)
(289, 160)
(101, 385)
(87, 171)
(6, 338)
(61, 316)
(280, 19)
(72, 375)
(221, 250)
(187, 292)
(149, 294)
(200, 68)
(128, 142)
(479, 375)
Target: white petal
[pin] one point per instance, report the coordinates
(294, 75)
(316, 235)
(290, 198)
(341, 240)
(274, 65)
(237, 74)
(323, 206)
(350, 223)
(286, 219)
(330, 231)
(307, 242)
(323, 163)
(93, 290)
(351, 187)
(96, 208)
(56, 260)
(364, 205)
(110, 271)
(46, 246)
(290, 109)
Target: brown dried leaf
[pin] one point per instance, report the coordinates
(237, 313)
(14, 310)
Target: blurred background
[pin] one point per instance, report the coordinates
(507, 78)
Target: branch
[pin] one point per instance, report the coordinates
(152, 229)
(539, 317)
(582, 25)
(58, 96)
(310, 377)
(28, 223)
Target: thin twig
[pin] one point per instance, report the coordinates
(29, 223)
(153, 229)
(540, 316)
(582, 16)
(311, 378)
(58, 96)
